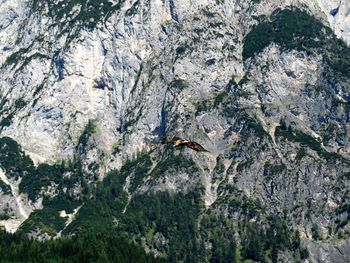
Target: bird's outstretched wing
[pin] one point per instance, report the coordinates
(172, 141)
(178, 142)
(196, 146)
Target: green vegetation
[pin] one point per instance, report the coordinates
(220, 232)
(27, 60)
(38, 89)
(290, 28)
(343, 209)
(203, 106)
(4, 188)
(296, 29)
(272, 169)
(245, 165)
(257, 127)
(109, 198)
(225, 100)
(7, 121)
(78, 12)
(41, 177)
(49, 219)
(14, 58)
(72, 16)
(90, 247)
(134, 9)
(20, 56)
(220, 166)
(90, 129)
(220, 98)
(316, 232)
(309, 141)
(178, 84)
(182, 49)
(175, 163)
(177, 225)
(20, 103)
(261, 240)
(133, 116)
(110, 191)
(138, 169)
(210, 62)
(229, 110)
(302, 152)
(247, 207)
(208, 104)
(262, 243)
(3, 102)
(4, 216)
(13, 160)
(17, 164)
(172, 215)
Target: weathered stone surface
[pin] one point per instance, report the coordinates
(159, 68)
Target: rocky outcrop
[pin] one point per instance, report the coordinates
(99, 83)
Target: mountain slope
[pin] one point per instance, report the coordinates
(90, 89)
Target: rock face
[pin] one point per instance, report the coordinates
(262, 84)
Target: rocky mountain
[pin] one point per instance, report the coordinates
(89, 89)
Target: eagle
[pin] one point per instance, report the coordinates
(178, 142)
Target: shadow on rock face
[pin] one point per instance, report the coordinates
(334, 11)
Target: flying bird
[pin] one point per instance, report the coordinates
(178, 142)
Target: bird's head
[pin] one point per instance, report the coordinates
(178, 142)
(176, 139)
